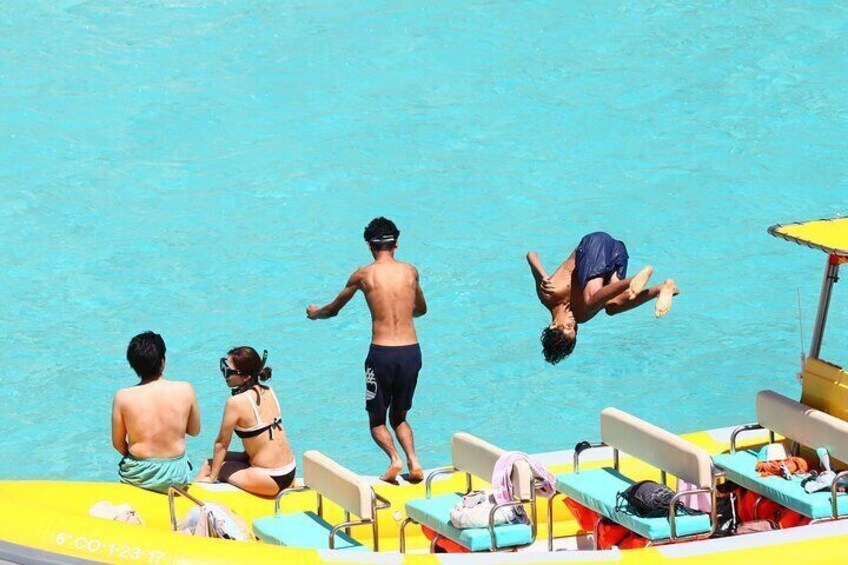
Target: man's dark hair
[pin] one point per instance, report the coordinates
(146, 354)
(556, 346)
(381, 234)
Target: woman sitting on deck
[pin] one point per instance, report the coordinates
(267, 465)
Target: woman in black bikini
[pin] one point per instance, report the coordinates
(267, 465)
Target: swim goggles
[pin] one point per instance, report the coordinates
(227, 371)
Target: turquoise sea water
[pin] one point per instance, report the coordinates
(205, 170)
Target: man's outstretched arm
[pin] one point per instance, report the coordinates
(332, 309)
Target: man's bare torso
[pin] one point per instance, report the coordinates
(390, 290)
(567, 292)
(156, 417)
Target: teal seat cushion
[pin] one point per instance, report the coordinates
(597, 489)
(435, 514)
(302, 529)
(741, 469)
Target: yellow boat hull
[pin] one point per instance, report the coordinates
(48, 521)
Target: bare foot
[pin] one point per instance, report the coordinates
(668, 290)
(416, 475)
(390, 476)
(637, 284)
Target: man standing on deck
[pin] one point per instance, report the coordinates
(394, 297)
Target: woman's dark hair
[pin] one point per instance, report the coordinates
(248, 362)
(381, 234)
(146, 354)
(556, 346)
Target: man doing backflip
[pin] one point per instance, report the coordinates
(394, 297)
(593, 278)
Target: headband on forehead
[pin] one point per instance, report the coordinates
(388, 238)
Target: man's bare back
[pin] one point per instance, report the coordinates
(391, 290)
(155, 418)
(394, 298)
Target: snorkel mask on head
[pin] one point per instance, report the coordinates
(227, 372)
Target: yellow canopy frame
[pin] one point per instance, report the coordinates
(825, 385)
(830, 236)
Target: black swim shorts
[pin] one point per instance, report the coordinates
(599, 255)
(391, 373)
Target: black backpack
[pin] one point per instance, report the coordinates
(647, 499)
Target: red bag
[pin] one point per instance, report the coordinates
(446, 545)
(769, 510)
(585, 517)
(610, 534)
(746, 506)
(632, 541)
(791, 519)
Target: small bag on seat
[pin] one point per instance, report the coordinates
(646, 499)
(225, 522)
(474, 509)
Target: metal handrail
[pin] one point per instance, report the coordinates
(283, 493)
(384, 502)
(402, 533)
(578, 449)
(673, 509)
(495, 508)
(517, 502)
(533, 511)
(739, 430)
(173, 492)
(449, 470)
(551, 520)
(833, 493)
(343, 525)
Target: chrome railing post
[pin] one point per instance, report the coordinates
(831, 275)
(739, 430)
(403, 534)
(834, 493)
(428, 482)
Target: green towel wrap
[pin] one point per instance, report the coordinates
(155, 474)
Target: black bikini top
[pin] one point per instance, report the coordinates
(260, 426)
